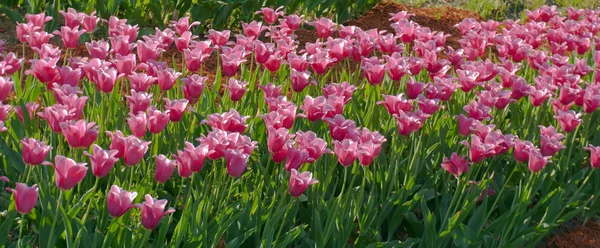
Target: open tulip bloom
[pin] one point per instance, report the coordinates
(488, 135)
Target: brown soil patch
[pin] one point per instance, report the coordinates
(581, 236)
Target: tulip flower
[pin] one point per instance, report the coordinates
(478, 150)
(295, 158)
(456, 165)
(38, 38)
(236, 162)
(164, 168)
(568, 120)
(300, 80)
(134, 150)
(89, 22)
(270, 15)
(157, 120)
(119, 201)
(70, 36)
(183, 24)
(47, 51)
(67, 173)
(218, 38)
(299, 182)
(138, 101)
(237, 89)
(105, 79)
(6, 87)
(55, 115)
(176, 108)
(148, 50)
(314, 108)
(152, 212)
(193, 87)
(414, 89)
(270, 91)
(339, 127)
(34, 152)
(140, 82)
(194, 58)
(346, 151)
(536, 160)
(101, 161)
(315, 146)
(594, 155)
(117, 142)
(97, 49)
(10, 64)
(79, 134)
(25, 197)
(521, 150)
(167, 78)
(45, 70)
(409, 122)
(324, 26)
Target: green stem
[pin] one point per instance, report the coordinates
(55, 219)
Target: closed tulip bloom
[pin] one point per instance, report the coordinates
(194, 58)
(591, 101)
(117, 142)
(277, 138)
(237, 89)
(314, 108)
(67, 173)
(478, 111)
(410, 122)
(478, 150)
(157, 120)
(119, 201)
(465, 125)
(270, 15)
(72, 18)
(299, 182)
(98, 49)
(314, 145)
(55, 115)
(456, 165)
(34, 152)
(568, 120)
(253, 29)
(346, 151)
(521, 150)
(79, 134)
(38, 38)
(137, 124)
(300, 80)
(236, 162)
(218, 38)
(74, 104)
(70, 36)
(414, 89)
(152, 212)
(101, 161)
(134, 150)
(270, 91)
(176, 108)
(339, 127)
(69, 76)
(45, 70)
(120, 45)
(167, 78)
(183, 42)
(125, 64)
(164, 168)
(89, 22)
(24, 29)
(537, 161)
(295, 158)
(184, 163)
(550, 145)
(193, 87)
(429, 106)
(10, 64)
(105, 79)
(6, 87)
(324, 26)
(25, 197)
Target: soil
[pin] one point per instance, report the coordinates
(575, 235)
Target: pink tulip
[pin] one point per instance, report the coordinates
(339, 127)
(324, 26)
(148, 50)
(55, 115)
(69, 76)
(105, 79)
(374, 73)
(4, 111)
(295, 158)
(23, 30)
(314, 108)
(6, 87)
(166, 78)
(125, 65)
(34, 152)
(152, 67)
(138, 101)
(237, 89)
(97, 49)
(409, 122)
(10, 64)
(536, 160)
(293, 22)
(89, 22)
(141, 82)
(465, 125)
(521, 150)
(134, 150)
(539, 96)
(429, 106)
(270, 91)
(38, 38)
(591, 101)
(67, 173)
(119, 201)
(478, 150)
(47, 51)
(236, 162)
(396, 66)
(300, 80)
(230, 121)
(101, 161)
(550, 140)
(25, 197)
(231, 63)
(70, 36)
(270, 15)
(152, 212)
(346, 151)
(252, 29)
(176, 108)
(568, 120)
(299, 182)
(137, 124)
(72, 18)
(315, 146)
(456, 165)
(414, 89)
(218, 38)
(183, 24)
(594, 155)
(157, 120)
(194, 57)
(478, 111)
(164, 168)
(277, 139)
(320, 62)
(344, 90)
(193, 87)
(120, 45)
(45, 70)
(79, 134)
(183, 42)
(117, 142)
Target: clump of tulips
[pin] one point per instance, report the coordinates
(509, 115)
